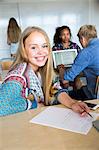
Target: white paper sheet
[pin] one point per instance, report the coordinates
(64, 118)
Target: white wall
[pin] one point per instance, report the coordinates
(47, 14)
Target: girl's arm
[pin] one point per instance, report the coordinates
(76, 106)
(11, 100)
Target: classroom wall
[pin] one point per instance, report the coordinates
(47, 14)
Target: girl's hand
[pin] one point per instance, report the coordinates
(81, 108)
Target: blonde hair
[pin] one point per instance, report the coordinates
(13, 31)
(87, 31)
(46, 71)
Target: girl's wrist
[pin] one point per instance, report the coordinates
(71, 105)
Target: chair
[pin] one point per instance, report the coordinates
(5, 66)
(97, 87)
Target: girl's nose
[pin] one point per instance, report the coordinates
(39, 49)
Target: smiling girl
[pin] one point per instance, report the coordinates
(31, 81)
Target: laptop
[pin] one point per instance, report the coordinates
(65, 57)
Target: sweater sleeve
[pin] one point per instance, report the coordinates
(11, 100)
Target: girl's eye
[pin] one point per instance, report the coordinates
(45, 46)
(33, 47)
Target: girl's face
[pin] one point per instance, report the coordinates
(37, 50)
(65, 36)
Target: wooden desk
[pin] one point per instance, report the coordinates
(16, 133)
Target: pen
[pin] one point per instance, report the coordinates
(88, 113)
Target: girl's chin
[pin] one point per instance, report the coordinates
(40, 64)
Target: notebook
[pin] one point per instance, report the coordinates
(65, 57)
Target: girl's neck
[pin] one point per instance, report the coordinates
(35, 68)
(66, 45)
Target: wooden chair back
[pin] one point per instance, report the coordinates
(6, 64)
(4, 67)
(97, 87)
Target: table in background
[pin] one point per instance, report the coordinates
(16, 133)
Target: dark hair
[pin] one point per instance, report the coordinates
(57, 35)
(56, 38)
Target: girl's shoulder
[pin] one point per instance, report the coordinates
(73, 44)
(17, 74)
(18, 70)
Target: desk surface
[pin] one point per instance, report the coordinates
(16, 133)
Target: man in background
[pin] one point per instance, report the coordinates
(87, 61)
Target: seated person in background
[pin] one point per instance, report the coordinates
(62, 39)
(87, 61)
(31, 81)
(13, 35)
